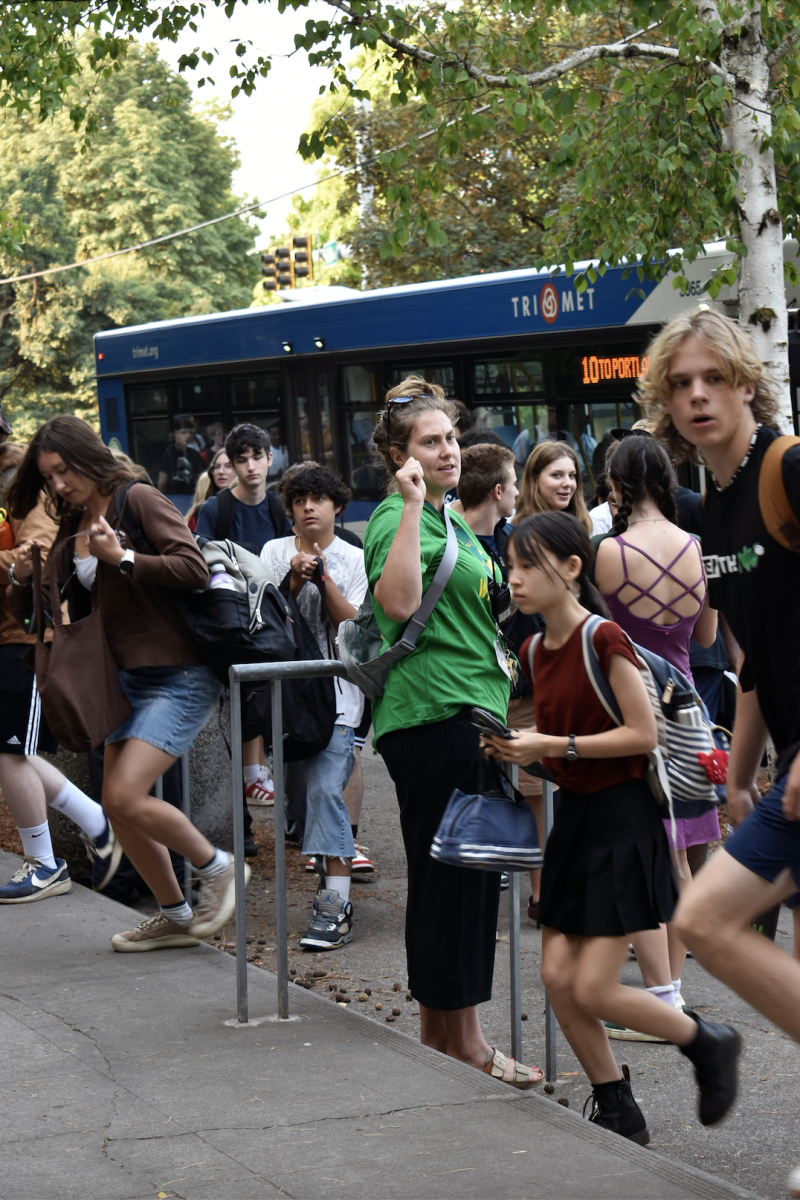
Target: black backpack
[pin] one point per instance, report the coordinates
(226, 515)
(250, 622)
(309, 705)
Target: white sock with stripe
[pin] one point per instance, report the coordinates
(36, 844)
(81, 809)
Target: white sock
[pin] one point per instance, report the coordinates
(181, 914)
(36, 844)
(251, 774)
(676, 983)
(340, 884)
(665, 992)
(215, 866)
(81, 809)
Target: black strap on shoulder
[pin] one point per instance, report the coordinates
(277, 513)
(125, 520)
(226, 514)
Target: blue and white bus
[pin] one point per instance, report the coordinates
(526, 352)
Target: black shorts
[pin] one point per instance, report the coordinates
(23, 729)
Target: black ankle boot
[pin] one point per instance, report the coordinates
(714, 1054)
(614, 1108)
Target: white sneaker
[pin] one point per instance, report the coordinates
(361, 865)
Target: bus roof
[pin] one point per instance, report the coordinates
(468, 309)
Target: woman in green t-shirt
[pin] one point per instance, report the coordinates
(422, 723)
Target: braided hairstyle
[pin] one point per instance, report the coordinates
(564, 536)
(643, 470)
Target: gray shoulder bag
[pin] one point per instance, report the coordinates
(360, 638)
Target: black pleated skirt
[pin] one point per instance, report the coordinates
(607, 869)
(451, 912)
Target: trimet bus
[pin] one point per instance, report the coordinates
(527, 352)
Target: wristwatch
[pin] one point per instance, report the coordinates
(125, 564)
(571, 754)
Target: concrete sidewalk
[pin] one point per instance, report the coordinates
(123, 1078)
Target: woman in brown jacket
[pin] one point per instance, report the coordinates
(171, 691)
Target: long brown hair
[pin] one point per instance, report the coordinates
(530, 501)
(82, 450)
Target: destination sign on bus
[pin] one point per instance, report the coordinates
(598, 369)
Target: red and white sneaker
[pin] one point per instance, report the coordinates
(311, 866)
(260, 793)
(361, 864)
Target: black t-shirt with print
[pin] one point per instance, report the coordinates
(755, 583)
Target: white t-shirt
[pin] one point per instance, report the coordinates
(601, 518)
(346, 569)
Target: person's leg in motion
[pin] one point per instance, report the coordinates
(582, 978)
(328, 837)
(714, 920)
(146, 826)
(41, 874)
(102, 848)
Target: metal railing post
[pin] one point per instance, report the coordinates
(550, 1023)
(186, 803)
(515, 964)
(160, 788)
(238, 847)
(279, 819)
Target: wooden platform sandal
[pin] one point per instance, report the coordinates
(523, 1077)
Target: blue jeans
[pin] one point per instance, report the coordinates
(328, 829)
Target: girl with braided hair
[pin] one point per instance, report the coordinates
(650, 574)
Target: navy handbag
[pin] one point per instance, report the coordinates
(490, 831)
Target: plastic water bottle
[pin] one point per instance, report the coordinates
(221, 579)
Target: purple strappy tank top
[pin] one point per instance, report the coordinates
(671, 641)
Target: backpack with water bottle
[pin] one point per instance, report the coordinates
(688, 766)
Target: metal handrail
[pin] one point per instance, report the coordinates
(274, 674)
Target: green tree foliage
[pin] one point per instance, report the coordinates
(680, 121)
(153, 165)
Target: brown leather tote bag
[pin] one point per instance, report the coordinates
(76, 675)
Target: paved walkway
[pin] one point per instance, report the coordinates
(121, 1077)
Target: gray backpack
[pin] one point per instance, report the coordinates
(360, 640)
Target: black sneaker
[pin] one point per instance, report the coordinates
(332, 923)
(714, 1054)
(614, 1109)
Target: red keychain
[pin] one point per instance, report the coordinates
(7, 541)
(715, 765)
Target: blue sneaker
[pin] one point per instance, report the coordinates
(34, 882)
(104, 853)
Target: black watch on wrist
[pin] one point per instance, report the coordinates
(571, 753)
(126, 563)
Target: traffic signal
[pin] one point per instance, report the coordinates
(283, 256)
(303, 268)
(269, 272)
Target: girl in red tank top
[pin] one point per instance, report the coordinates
(607, 872)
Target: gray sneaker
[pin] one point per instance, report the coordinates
(332, 923)
(217, 901)
(156, 933)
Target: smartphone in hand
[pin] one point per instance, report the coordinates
(489, 724)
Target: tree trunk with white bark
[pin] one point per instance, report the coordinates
(762, 300)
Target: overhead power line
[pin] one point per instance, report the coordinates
(168, 237)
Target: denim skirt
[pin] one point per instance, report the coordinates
(170, 706)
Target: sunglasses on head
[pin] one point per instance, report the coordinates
(621, 434)
(402, 400)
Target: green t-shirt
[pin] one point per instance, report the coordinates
(457, 661)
